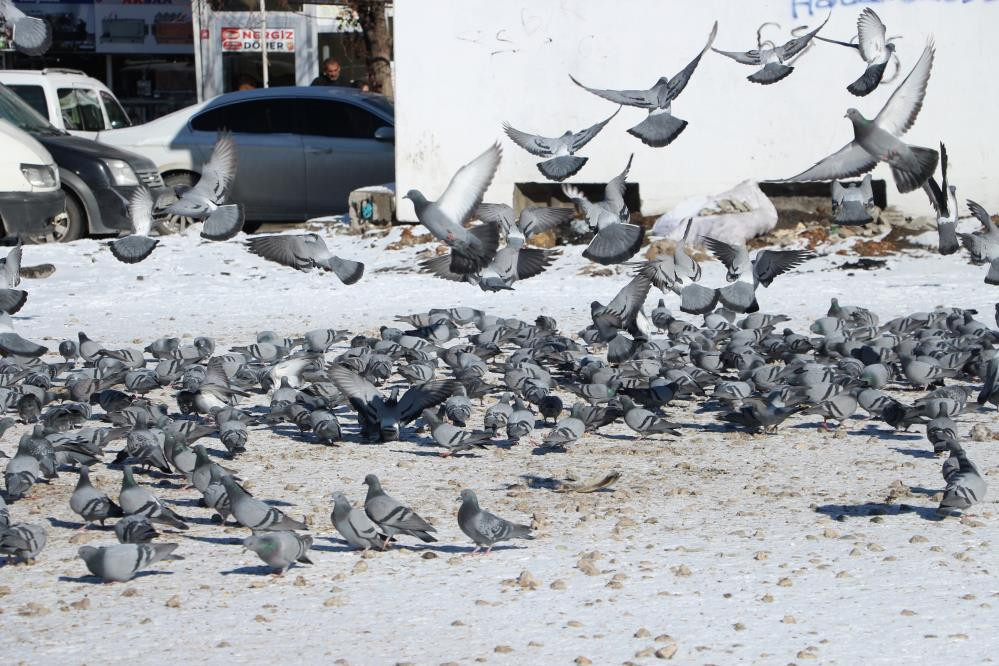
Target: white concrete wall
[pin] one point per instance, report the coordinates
(465, 66)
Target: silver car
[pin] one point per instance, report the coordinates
(300, 150)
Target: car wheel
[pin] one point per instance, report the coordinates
(175, 224)
(65, 229)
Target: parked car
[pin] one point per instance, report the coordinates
(98, 179)
(70, 99)
(300, 150)
(30, 196)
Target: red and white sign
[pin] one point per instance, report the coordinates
(278, 40)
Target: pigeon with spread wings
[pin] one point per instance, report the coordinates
(133, 249)
(944, 200)
(877, 140)
(562, 160)
(616, 240)
(304, 252)
(31, 36)
(765, 266)
(773, 60)
(532, 220)
(207, 199)
(661, 127)
(875, 49)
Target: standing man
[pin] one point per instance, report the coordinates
(329, 74)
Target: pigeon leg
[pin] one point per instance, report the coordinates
(476, 551)
(489, 549)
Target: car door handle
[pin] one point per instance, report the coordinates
(319, 151)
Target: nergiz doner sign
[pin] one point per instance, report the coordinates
(278, 40)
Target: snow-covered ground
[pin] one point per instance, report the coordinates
(727, 547)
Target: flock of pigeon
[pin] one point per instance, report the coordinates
(422, 374)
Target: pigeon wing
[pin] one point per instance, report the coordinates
(871, 34)
(441, 267)
(358, 390)
(288, 250)
(733, 257)
(538, 219)
(425, 396)
(614, 190)
(466, 188)
(850, 160)
(140, 209)
(499, 213)
(793, 47)
(12, 265)
(535, 145)
(219, 171)
(627, 303)
(582, 137)
(901, 109)
(771, 263)
(679, 82)
(644, 99)
(743, 57)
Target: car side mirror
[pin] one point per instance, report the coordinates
(385, 134)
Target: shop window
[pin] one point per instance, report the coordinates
(34, 96)
(259, 116)
(331, 118)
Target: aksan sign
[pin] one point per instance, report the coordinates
(278, 40)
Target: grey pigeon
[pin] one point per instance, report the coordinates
(207, 199)
(565, 432)
(983, 246)
(615, 240)
(943, 197)
(354, 525)
(873, 47)
(31, 36)
(877, 140)
(90, 503)
(562, 161)
(251, 512)
(485, 529)
(23, 541)
(759, 414)
(135, 529)
(280, 550)
(303, 252)
(498, 414)
(119, 563)
(521, 422)
(660, 128)
(215, 495)
(10, 267)
(765, 266)
(452, 438)
(391, 516)
(136, 500)
(471, 249)
(13, 344)
(22, 472)
(136, 247)
(773, 60)
(965, 484)
(852, 203)
(512, 263)
(941, 431)
(645, 422)
(531, 221)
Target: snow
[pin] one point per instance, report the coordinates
(734, 546)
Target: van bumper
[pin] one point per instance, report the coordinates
(30, 212)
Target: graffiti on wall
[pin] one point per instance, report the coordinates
(808, 8)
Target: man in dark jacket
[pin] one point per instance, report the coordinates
(329, 74)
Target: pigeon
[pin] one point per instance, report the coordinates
(391, 516)
(12, 344)
(136, 500)
(31, 36)
(452, 438)
(876, 140)
(990, 387)
(280, 550)
(645, 422)
(943, 197)
(119, 563)
(565, 432)
(497, 415)
(23, 541)
(773, 61)
(135, 529)
(965, 484)
(983, 246)
(21, 473)
(483, 528)
(765, 266)
(873, 47)
(561, 151)
(207, 199)
(354, 525)
(383, 417)
(531, 221)
(251, 512)
(758, 414)
(133, 249)
(852, 204)
(615, 240)
(90, 503)
(512, 263)
(304, 252)
(10, 267)
(521, 422)
(661, 127)
(471, 249)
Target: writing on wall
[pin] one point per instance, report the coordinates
(808, 8)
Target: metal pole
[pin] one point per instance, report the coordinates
(199, 78)
(263, 38)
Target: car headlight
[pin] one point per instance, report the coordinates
(121, 172)
(40, 175)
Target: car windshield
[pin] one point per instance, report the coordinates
(381, 103)
(16, 111)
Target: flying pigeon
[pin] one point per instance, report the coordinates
(852, 203)
(120, 562)
(207, 199)
(660, 128)
(616, 240)
(471, 249)
(512, 263)
(877, 140)
(133, 249)
(482, 527)
(873, 47)
(561, 151)
(773, 61)
(10, 267)
(532, 220)
(765, 266)
(280, 550)
(391, 516)
(983, 246)
(12, 344)
(304, 252)
(354, 525)
(32, 36)
(944, 200)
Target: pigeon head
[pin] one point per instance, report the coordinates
(467, 495)
(372, 481)
(86, 553)
(419, 201)
(260, 544)
(855, 116)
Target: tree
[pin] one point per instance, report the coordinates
(377, 43)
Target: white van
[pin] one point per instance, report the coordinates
(30, 196)
(68, 98)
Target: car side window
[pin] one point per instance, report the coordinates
(81, 109)
(330, 118)
(34, 96)
(116, 114)
(258, 116)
